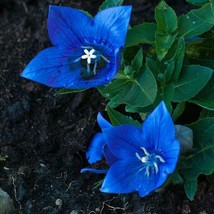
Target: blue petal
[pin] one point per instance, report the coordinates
(123, 141)
(52, 68)
(171, 156)
(68, 27)
(110, 158)
(125, 176)
(95, 150)
(97, 171)
(112, 25)
(158, 131)
(103, 123)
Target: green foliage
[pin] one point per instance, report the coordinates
(136, 92)
(166, 28)
(201, 159)
(196, 21)
(141, 34)
(190, 187)
(110, 3)
(198, 2)
(193, 78)
(205, 98)
(119, 119)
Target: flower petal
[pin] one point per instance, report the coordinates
(103, 123)
(52, 67)
(110, 158)
(123, 141)
(97, 171)
(171, 156)
(95, 150)
(68, 27)
(158, 131)
(112, 25)
(125, 176)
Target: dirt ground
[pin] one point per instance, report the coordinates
(44, 136)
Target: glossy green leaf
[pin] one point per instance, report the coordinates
(198, 2)
(201, 52)
(205, 98)
(201, 160)
(190, 187)
(166, 28)
(206, 113)
(176, 178)
(136, 92)
(178, 110)
(196, 21)
(141, 34)
(176, 55)
(192, 79)
(110, 3)
(119, 119)
(137, 62)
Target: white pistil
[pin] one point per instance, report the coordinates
(89, 55)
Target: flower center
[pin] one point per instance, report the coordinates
(91, 61)
(89, 55)
(150, 162)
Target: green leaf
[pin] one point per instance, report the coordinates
(201, 160)
(119, 119)
(196, 21)
(110, 3)
(176, 178)
(136, 92)
(166, 18)
(178, 111)
(176, 54)
(192, 79)
(141, 34)
(198, 2)
(205, 98)
(201, 52)
(206, 113)
(166, 28)
(152, 66)
(190, 187)
(137, 62)
(69, 91)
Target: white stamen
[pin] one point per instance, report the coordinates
(145, 151)
(89, 55)
(105, 59)
(95, 67)
(160, 158)
(156, 167)
(147, 171)
(138, 156)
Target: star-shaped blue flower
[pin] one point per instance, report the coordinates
(140, 159)
(86, 50)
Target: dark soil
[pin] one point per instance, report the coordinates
(44, 136)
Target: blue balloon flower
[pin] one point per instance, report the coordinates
(140, 159)
(86, 50)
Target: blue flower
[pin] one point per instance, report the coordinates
(140, 159)
(86, 50)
